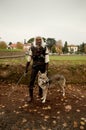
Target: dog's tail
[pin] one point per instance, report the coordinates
(56, 77)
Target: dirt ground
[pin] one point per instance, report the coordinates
(57, 113)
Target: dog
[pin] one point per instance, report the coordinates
(44, 82)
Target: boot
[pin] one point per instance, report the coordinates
(30, 95)
(40, 92)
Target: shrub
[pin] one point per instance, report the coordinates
(3, 45)
(19, 45)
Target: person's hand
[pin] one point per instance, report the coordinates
(25, 73)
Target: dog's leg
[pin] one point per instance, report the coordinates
(62, 84)
(43, 98)
(45, 95)
(63, 88)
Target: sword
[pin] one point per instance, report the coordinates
(14, 88)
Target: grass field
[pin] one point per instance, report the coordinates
(11, 50)
(69, 57)
(72, 67)
(72, 59)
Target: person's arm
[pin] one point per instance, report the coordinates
(28, 60)
(46, 66)
(27, 65)
(46, 59)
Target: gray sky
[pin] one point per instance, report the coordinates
(60, 19)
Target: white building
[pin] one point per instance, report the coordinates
(72, 48)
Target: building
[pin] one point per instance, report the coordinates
(12, 46)
(72, 48)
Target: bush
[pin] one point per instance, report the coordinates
(3, 45)
(19, 45)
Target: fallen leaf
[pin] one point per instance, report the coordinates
(84, 119)
(78, 110)
(35, 110)
(82, 123)
(65, 124)
(75, 124)
(81, 127)
(14, 111)
(46, 117)
(42, 114)
(45, 108)
(62, 99)
(24, 120)
(54, 117)
(3, 106)
(49, 107)
(82, 96)
(68, 108)
(25, 105)
(17, 112)
(58, 112)
(20, 107)
(2, 113)
(43, 128)
(58, 117)
(54, 122)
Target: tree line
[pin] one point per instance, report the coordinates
(58, 47)
(3, 45)
(53, 45)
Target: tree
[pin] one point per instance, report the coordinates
(19, 45)
(10, 43)
(59, 46)
(3, 45)
(82, 48)
(50, 42)
(53, 49)
(44, 39)
(77, 52)
(65, 48)
(85, 48)
(31, 40)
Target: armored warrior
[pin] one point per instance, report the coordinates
(39, 54)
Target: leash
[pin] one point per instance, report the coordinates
(14, 88)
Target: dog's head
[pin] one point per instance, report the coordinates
(43, 80)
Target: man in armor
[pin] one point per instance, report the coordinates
(40, 55)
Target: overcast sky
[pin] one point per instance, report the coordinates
(60, 19)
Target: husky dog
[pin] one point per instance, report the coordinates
(44, 83)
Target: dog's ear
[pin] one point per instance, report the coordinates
(39, 73)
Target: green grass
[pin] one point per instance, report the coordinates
(69, 58)
(11, 50)
(58, 60)
(20, 60)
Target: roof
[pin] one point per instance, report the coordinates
(72, 45)
(13, 45)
